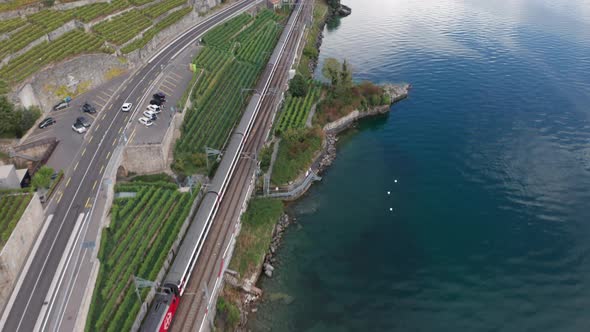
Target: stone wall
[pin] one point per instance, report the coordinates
(90, 70)
(16, 250)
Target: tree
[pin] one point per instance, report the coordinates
(6, 117)
(42, 179)
(331, 71)
(298, 86)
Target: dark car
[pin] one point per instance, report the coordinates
(160, 96)
(83, 121)
(47, 122)
(88, 108)
(156, 102)
(60, 106)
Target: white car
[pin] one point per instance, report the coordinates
(154, 108)
(126, 107)
(79, 128)
(149, 114)
(147, 122)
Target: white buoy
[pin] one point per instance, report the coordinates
(389, 193)
(395, 181)
(390, 209)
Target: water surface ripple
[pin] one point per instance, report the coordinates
(490, 228)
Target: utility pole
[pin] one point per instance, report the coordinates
(142, 283)
(206, 297)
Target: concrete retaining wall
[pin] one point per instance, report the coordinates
(16, 249)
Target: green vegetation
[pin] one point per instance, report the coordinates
(69, 44)
(310, 51)
(12, 206)
(256, 234)
(228, 313)
(42, 178)
(11, 24)
(16, 4)
(150, 33)
(136, 243)
(163, 177)
(265, 157)
(123, 27)
(16, 121)
(296, 152)
(162, 7)
(140, 2)
(296, 109)
(232, 59)
(50, 19)
(96, 10)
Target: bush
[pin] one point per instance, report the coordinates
(298, 86)
(16, 121)
(42, 179)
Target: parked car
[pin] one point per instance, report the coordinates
(155, 102)
(47, 122)
(154, 108)
(150, 115)
(147, 122)
(82, 120)
(88, 108)
(79, 128)
(126, 107)
(60, 106)
(160, 96)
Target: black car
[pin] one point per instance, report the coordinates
(156, 102)
(88, 108)
(83, 121)
(47, 122)
(160, 96)
(60, 106)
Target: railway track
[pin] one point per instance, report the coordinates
(193, 305)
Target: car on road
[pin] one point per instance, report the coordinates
(160, 96)
(47, 122)
(150, 115)
(82, 120)
(60, 106)
(154, 108)
(88, 108)
(79, 128)
(147, 122)
(126, 107)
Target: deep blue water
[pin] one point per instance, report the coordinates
(490, 228)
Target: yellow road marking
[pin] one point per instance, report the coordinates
(108, 154)
(76, 166)
(88, 203)
(83, 151)
(90, 140)
(97, 126)
(59, 197)
(101, 169)
(114, 142)
(101, 99)
(120, 130)
(68, 183)
(94, 185)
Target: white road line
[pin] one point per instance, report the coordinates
(23, 273)
(62, 267)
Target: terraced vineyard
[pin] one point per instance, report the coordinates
(142, 231)
(72, 43)
(160, 8)
(230, 68)
(123, 27)
(149, 34)
(296, 109)
(96, 10)
(16, 4)
(11, 24)
(12, 206)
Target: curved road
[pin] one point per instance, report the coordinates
(76, 196)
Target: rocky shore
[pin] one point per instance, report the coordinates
(270, 259)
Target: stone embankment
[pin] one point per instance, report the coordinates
(270, 260)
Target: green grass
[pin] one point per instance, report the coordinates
(12, 207)
(228, 312)
(136, 243)
(11, 24)
(310, 51)
(153, 178)
(149, 34)
(256, 234)
(296, 109)
(295, 155)
(123, 27)
(230, 69)
(162, 7)
(69, 44)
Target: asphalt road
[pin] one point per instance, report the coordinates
(196, 303)
(87, 168)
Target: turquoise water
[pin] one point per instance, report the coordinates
(489, 228)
